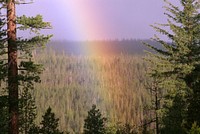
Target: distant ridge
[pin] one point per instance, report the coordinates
(105, 47)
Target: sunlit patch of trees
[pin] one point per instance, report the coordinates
(71, 84)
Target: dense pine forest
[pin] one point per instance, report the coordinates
(72, 84)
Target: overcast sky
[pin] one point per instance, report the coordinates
(98, 19)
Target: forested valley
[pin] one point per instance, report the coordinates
(71, 84)
(120, 86)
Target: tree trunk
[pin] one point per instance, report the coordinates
(12, 68)
(156, 110)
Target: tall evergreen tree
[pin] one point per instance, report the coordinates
(153, 112)
(3, 96)
(12, 68)
(177, 63)
(94, 123)
(49, 124)
(27, 111)
(18, 69)
(4, 115)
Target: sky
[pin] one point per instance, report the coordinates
(98, 19)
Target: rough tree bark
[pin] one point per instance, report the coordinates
(12, 68)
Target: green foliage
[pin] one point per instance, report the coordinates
(3, 51)
(32, 23)
(34, 130)
(49, 124)
(195, 129)
(73, 83)
(194, 106)
(126, 129)
(4, 114)
(3, 73)
(110, 128)
(177, 65)
(94, 123)
(27, 111)
(174, 118)
(152, 110)
(28, 71)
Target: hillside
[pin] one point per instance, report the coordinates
(71, 84)
(99, 47)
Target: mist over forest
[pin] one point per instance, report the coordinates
(105, 47)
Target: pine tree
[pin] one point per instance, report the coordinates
(153, 116)
(34, 130)
(49, 124)
(4, 114)
(126, 129)
(94, 123)
(177, 63)
(16, 65)
(195, 129)
(27, 111)
(3, 96)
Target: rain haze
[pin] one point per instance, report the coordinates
(98, 19)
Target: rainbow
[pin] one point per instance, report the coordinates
(87, 21)
(84, 22)
(87, 24)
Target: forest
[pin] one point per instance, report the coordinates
(104, 47)
(127, 86)
(73, 83)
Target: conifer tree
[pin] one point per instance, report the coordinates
(27, 111)
(153, 116)
(49, 124)
(195, 129)
(177, 62)
(4, 115)
(16, 66)
(94, 123)
(3, 96)
(126, 129)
